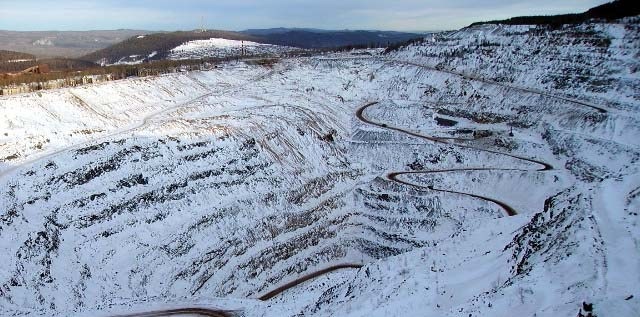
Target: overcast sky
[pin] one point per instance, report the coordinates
(402, 15)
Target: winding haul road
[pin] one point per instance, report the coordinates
(194, 311)
(300, 280)
(396, 176)
(198, 311)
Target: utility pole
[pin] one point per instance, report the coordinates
(434, 269)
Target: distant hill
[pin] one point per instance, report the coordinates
(608, 11)
(314, 38)
(261, 32)
(8, 56)
(62, 43)
(156, 46)
(160, 43)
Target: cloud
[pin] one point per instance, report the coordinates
(242, 14)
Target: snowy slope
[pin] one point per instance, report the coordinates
(216, 47)
(214, 188)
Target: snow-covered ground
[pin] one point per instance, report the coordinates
(217, 47)
(214, 188)
(132, 59)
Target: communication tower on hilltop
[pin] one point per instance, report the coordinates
(202, 29)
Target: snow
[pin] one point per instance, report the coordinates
(19, 60)
(209, 189)
(218, 47)
(214, 42)
(129, 60)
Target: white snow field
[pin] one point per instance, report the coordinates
(223, 189)
(217, 47)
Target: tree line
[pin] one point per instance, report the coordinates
(55, 64)
(6, 56)
(125, 71)
(607, 12)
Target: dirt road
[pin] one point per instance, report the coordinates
(192, 311)
(305, 278)
(396, 176)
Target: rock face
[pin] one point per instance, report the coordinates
(220, 186)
